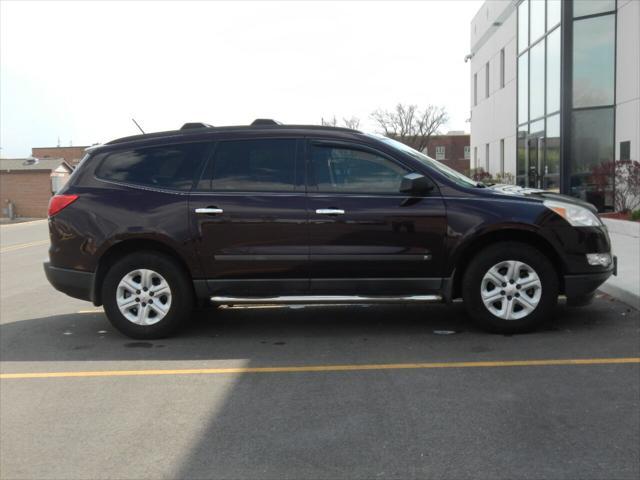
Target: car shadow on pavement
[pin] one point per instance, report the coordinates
(424, 423)
(299, 334)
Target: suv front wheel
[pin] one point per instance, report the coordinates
(147, 295)
(510, 287)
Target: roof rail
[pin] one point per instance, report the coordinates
(190, 125)
(265, 121)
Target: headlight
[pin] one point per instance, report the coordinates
(576, 215)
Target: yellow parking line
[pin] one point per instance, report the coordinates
(12, 248)
(325, 368)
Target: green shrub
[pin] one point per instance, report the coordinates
(635, 215)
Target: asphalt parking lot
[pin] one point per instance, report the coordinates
(309, 392)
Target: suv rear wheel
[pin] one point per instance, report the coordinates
(147, 295)
(510, 287)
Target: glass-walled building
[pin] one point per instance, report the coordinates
(567, 103)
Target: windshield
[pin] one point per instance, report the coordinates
(450, 173)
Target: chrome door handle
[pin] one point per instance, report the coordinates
(209, 210)
(330, 211)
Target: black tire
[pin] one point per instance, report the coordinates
(181, 288)
(502, 252)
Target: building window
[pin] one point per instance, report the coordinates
(523, 26)
(594, 61)
(553, 72)
(467, 152)
(537, 16)
(538, 94)
(592, 7)
(552, 154)
(592, 130)
(521, 155)
(502, 156)
(486, 157)
(625, 150)
(502, 68)
(475, 89)
(554, 8)
(486, 80)
(592, 146)
(536, 81)
(475, 157)
(440, 153)
(523, 88)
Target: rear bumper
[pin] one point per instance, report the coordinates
(74, 283)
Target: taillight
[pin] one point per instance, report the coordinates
(59, 202)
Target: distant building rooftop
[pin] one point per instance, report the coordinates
(457, 132)
(33, 164)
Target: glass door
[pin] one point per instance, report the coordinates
(534, 155)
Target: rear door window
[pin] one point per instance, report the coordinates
(173, 167)
(262, 165)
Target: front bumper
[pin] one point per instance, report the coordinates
(74, 283)
(587, 283)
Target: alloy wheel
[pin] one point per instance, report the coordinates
(143, 297)
(511, 290)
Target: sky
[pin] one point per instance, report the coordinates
(79, 71)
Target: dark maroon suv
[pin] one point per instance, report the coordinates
(150, 226)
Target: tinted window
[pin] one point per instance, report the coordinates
(344, 170)
(173, 166)
(594, 61)
(254, 166)
(589, 7)
(552, 159)
(592, 144)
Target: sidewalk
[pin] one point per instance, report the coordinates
(15, 221)
(625, 240)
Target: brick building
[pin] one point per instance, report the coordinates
(29, 183)
(452, 149)
(71, 155)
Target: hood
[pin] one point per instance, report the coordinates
(541, 195)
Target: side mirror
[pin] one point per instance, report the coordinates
(416, 184)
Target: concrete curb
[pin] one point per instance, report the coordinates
(26, 222)
(619, 293)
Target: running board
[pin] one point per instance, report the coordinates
(325, 299)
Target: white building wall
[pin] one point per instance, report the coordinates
(628, 77)
(494, 117)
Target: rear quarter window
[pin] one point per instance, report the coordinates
(173, 167)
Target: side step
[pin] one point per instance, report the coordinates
(326, 299)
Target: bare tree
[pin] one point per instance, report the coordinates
(353, 122)
(331, 122)
(410, 125)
